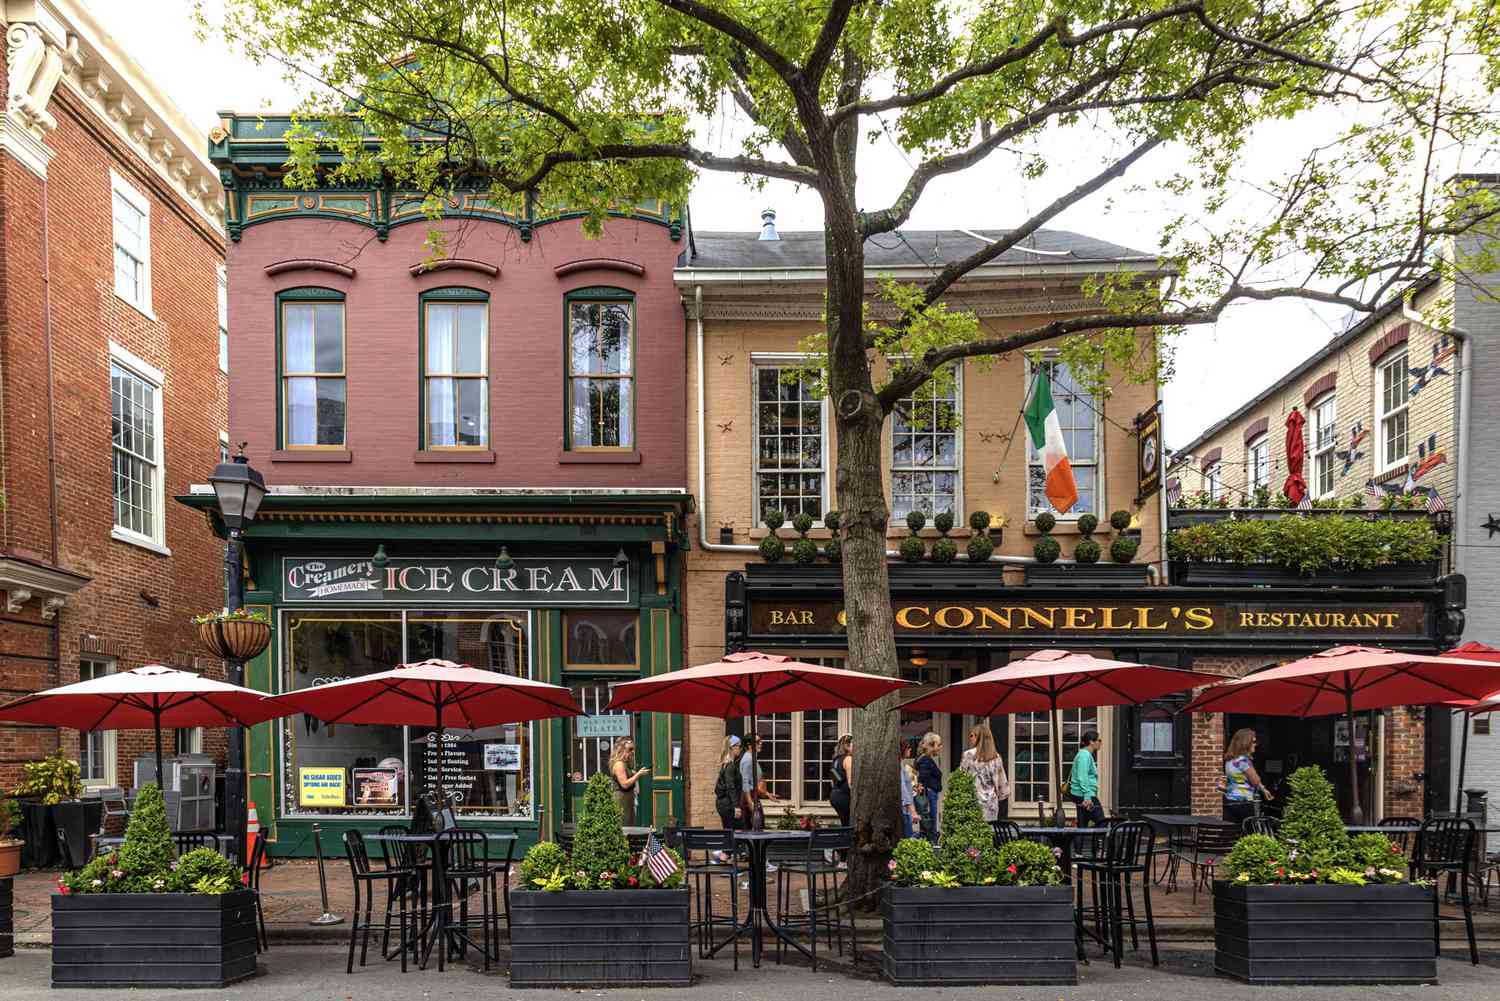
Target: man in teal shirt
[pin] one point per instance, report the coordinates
(1083, 783)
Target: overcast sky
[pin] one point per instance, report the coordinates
(1217, 368)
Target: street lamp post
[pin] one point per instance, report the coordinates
(239, 489)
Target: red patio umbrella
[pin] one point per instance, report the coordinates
(143, 698)
(1295, 486)
(1348, 679)
(1049, 680)
(436, 692)
(747, 683)
(1491, 702)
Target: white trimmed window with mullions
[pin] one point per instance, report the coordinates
(1325, 438)
(1258, 462)
(135, 399)
(313, 391)
(790, 453)
(1078, 416)
(925, 451)
(601, 370)
(1392, 389)
(131, 212)
(455, 369)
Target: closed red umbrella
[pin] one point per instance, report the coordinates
(439, 693)
(1295, 486)
(144, 698)
(1349, 679)
(1049, 680)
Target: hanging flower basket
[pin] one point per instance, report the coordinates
(239, 635)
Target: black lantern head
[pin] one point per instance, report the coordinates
(239, 488)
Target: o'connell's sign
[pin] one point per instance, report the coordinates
(1100, 619)
(445, 581)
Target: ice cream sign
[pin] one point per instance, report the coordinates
(457, 581)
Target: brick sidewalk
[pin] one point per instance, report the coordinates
(292, 900)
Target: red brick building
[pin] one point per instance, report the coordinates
(112, 394)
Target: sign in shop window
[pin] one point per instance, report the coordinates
(602, 726)
(317, 787)
(524, 581)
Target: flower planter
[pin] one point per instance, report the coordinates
(152, 939)
(10, 858)
(1325, 934)
(235, 639)
(613, 938)
(1087, 575)
(978, 935)
(1204, 573)
(7, 919)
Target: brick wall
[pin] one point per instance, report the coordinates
(138, 602)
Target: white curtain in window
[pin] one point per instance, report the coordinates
(440, 338)
(300, 356)
(302, 409)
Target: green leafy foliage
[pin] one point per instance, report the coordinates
(1087, 551)
(1311, 822)
(204, 870)
(10, 815)
(1046, 549)
(802, 522)
(911, 549)
(1087, 523)
(1119, 520)
(944, 550)
(1256, 858)
(916, 520)
(148, 847)
(1123, 549)
(834, 550)
(966, 841)
(1308, 544)
(913, 862)
(832, 520)
(1378, 857)
(772, 549)
(1027, 863)
(542, 862)
(599, 847)
(773, 518)
(147, 862)
(805, 550)
(980, 547)
(943, 521)
(1046, 522)
(979, 521)
(52, 779)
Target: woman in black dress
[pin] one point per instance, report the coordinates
(842, 767)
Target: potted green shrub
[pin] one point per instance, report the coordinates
(771, 547)
(969, 913)
(804, 550)
(49, 798)
(1313, 905)
(140, 916)
(834, 550)
(598, 916)
(1046, 549)
(981, 547)
(10, 846)
(911, 549)
(240, 634)
(1087, 550)
(1323, 551)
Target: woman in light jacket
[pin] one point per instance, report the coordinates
(983, 762)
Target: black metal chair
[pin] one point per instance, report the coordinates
(257, 866)
(812, 861)
(412, 861)
(1260, 824)
(462, 856)
(1006, 831)
(365, 879)
(1125, 853)
(1210, 845)
(1446, 847)
(704, 853)
(1401, 839)
(187, 841)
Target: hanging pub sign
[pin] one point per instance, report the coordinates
(1148, 453)
(445, 580)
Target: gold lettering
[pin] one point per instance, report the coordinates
(777, 617)
(944, 620)
(1390, 619)
(1198, 618)
(903, 617)
(1143, 620)
(807, 618)
(996, 616)
(1034, 617)
(1247, 619)
(1077, 618)
(1108, 619)
(1370, 620)
(842, 619)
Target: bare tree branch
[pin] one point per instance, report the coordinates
(737, 30)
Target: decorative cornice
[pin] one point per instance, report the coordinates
(23, 579)
(462, 518)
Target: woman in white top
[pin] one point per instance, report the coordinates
(983, 762)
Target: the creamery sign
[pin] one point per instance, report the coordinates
(455, 581)
(1141, 619)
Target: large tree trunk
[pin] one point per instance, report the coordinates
(867, 600)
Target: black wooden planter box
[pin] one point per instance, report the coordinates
(152, 939)
(1087, 574)
(1205, 573)
(39, 831)
(7, 918)
(1325, 934)
(603, 938)
(978, 935)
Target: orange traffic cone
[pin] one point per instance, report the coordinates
(252, 831)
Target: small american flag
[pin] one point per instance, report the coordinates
(1434, 501)
(1373, 491)
(1305, 504)
(659, 860)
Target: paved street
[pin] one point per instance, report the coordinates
(317, 973)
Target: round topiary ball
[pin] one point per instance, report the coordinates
(831, 521)
(1087, 551)
(1046, 549)
(944, 550)
(805, 550)
(980, 548)
(1123, 549)
(1045, 522)
(912, 549)
(834, 550)
(771, 549)
(774, 518)
(1119, 520)
(1087, 523)
(979, 521)
(803, 522)
(916, 521)
(943, 521)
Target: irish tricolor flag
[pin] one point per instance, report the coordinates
(1047, 439)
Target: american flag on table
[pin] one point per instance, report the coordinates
(659, 860)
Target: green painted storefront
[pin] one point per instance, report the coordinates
(581, 589)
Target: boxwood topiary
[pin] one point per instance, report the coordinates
(1087, 551)
(543, 860)
(599, 845)
(204, 870)
(802, 522)
(774, 518)
(1046, 549)
(1123, 549)
(1311, 822)
(979, 521)
(967, 844)
(911, 549)
(944, 550)
(805, 550)
(1087, 523)
(771, 549)
(148, 851)
(1119, 520)
(831, 520)
(834, 550)
(1046, 522)
(1260, 857)
(913, 857)
(943, 521)
(916, 521)
(980, 548)
(1027, 863)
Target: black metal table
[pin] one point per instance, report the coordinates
(759, 918)
(441, 904)
(1177, 827)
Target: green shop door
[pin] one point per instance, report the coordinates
(591, 738)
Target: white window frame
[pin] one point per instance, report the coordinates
(119, 186)
(223, 319)
(108, 742)
(1104, 724)
(223, 446)
(1382, 415)
(1325, 445)
(760, 361)
(957, 469)
(156, 541)
(1034, 459)
(1258, 467)
(1213, 479)
(194, 742)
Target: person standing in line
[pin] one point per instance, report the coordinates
(911, 820)
(930, 775)
(1083, 783)
(621, 758)
(983, 761)
(1241, 781)
(753, 789)
(842, 767)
